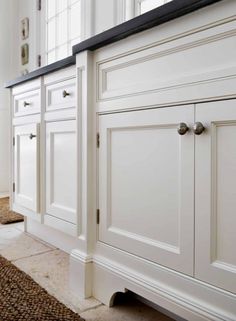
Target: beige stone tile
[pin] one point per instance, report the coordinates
(8, 235)
(18, 225)
(15, 244)
(51, 271)
(126, 312)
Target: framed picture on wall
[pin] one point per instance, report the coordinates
(25, 28)
(24, 54)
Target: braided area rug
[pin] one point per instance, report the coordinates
(22, 299)
(6, 215)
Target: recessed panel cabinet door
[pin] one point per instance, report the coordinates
(216, 194)
(61, 170)
(146, 185)
(26, 159)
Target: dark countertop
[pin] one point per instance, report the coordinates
(153, 18)
(42, 71)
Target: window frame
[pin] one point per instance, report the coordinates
(86, 26)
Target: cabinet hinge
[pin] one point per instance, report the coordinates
(98, 216)
(13, 141)
(39, 60)
(39, 5)
(98, 140)
(14, 187)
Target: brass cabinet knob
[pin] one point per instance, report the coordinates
(26, 104)
(182, 129)
(65, 93)
(198, 128)
(31, 136)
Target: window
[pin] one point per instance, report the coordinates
(136, 7)
(143, 6)
(62, 28)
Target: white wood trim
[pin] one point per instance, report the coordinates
(110, 277)
(4, 194)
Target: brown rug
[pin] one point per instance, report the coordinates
(22, 299)
(7, 216)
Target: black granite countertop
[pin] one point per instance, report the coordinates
(42, 71)
(155, 17)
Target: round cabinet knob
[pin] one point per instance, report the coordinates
(182, 129)
(198, 128)
(31, 136)
(65, 93)
(26, 104)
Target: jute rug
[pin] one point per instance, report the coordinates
(7, 216)
(22, 299)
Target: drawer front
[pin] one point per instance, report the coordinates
(27, 103)
(61, 95)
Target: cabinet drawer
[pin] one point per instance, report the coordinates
(27, 103)
(61, 95)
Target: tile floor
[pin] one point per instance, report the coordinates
(49, 267)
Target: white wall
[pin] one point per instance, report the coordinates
(8, 66)
(27, 8)
(105, 14)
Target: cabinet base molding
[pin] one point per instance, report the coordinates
(81, 274)
(52, 236)
(184, 296)
(26, 212)
(61, 225)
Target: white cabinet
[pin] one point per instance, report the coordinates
(61, 95)
(61, 170)
(146, 185)
(27, 103)
(150, 179)
(26, 162)
(216, 195)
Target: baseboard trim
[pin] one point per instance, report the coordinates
(153, 290)
(4, 194)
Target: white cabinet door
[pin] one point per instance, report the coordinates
(146, 185)
(26, 158)
(216, 194)
(61, 170)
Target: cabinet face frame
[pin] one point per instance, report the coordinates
(214, 193)
(59, 211)
(179, 258)
(27, 201)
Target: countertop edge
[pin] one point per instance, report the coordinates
(153, 18)
(71, 60)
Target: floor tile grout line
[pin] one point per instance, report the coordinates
(92, 308)
(40, 241)
(32, 255)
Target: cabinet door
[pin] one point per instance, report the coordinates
(146, 185)
(61, 170)
(26, 159)
(216, 194)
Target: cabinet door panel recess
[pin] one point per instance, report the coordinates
(146, 185)
(216, 194)
(61, 170)
(26, 166)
